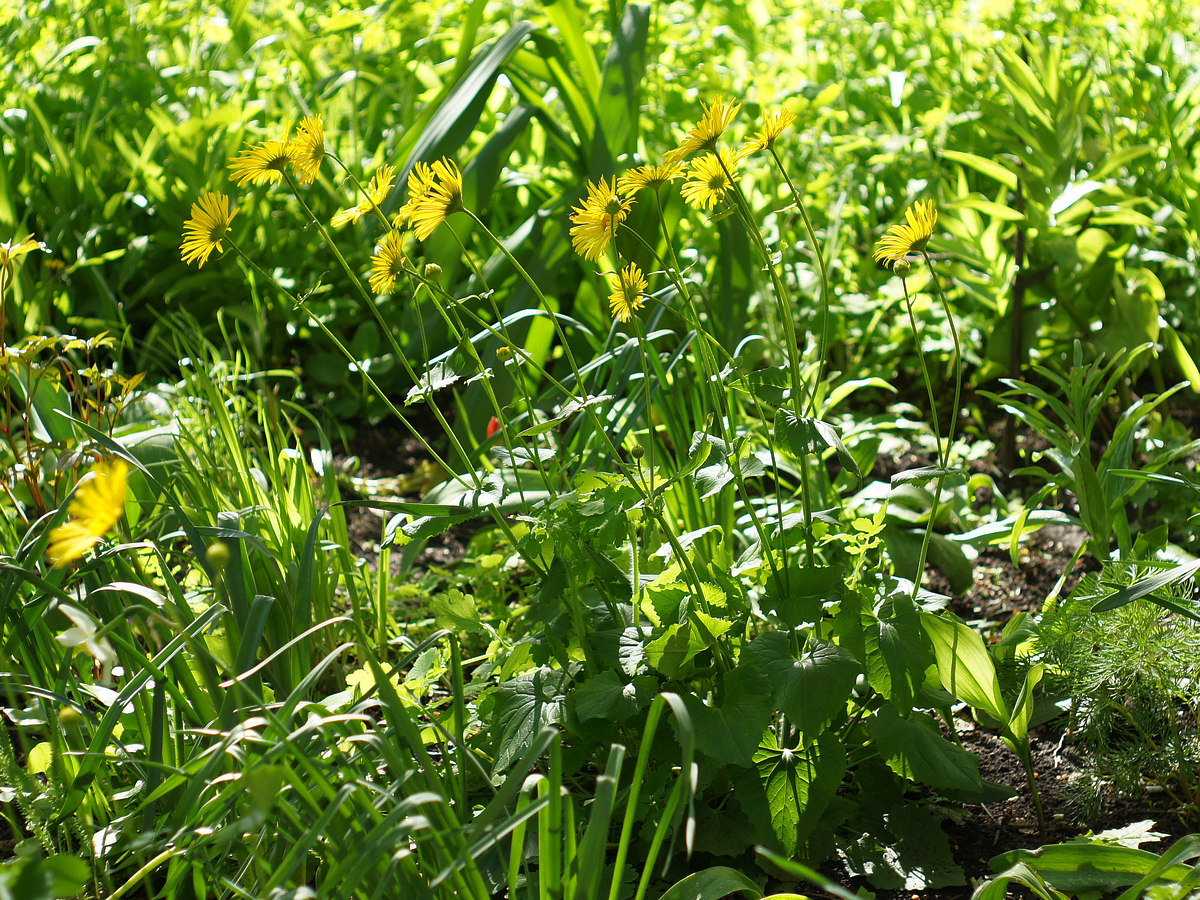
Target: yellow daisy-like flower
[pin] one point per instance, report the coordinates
(704, 136)
(707, 182)
(420, 182)
(263, 163)
(11, 251)
(308, 147)
(203, 232)
(94, 510)
(910, 237)
(652, 177)
(442, 198)
(377, 191)
(628, 292)
(388, 262)
(597, 218)
(775, 122)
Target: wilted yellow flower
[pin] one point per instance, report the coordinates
(377, 191)
(596, 220)
(308, 148)
(628, 292)
(97, 505)
(203, 232)
(707, 182)
(649, 177)
(910, 237)
(704, 136)
(388, 262)
(441, 199)
(775, 121)
(263, 163)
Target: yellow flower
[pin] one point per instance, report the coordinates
(596, 220)
(911, 237)
(420, 182)
(308, 148)
(704, 136)
(94, 510)
(775, 121)
(649, 177)
(707, 182)
(377, 191)
(11, 251)
(263, 163)
(388, 262)
(628, 292)
(442, 198)
(203, 232)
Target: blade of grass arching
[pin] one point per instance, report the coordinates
(454, 118)
(298, 663)
(593, 848)
(568, 19)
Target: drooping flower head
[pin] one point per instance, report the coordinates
(628, 292)
(775, 122)
(707, 181)
(388, 262)
(308, 148)
(911, 237)
(420, 182)
(704, 136)
(263, 163)
(652, 177)
(596, 219)
(203, 232)
(94, 510)
(378, 188)
(442, 199)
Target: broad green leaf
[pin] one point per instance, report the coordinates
(796, 595)
(731, 732)
(799, 784)
(672, 651)
(455, 611)
(811, 690)
(897, 651)
(712, 884)
(965, 667)
(523, 707)
(1087, 866)
(605, 696)
(913, 854)
(915, 749)
(1018, 723)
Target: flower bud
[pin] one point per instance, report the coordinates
(433, 271)
(637, 451)
(504, 354)
(217, 555)
(902, 268)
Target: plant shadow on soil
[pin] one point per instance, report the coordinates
(1001, 589)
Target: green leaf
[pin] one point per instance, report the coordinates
(712, 884)
(915, 749)
(795, 596)
(897, 651)
(455, 611)
(913, 855)
(673, 650)
(523, 707)
(811, 690)
(802, 435)
(605, 696)
(799, 784)
(730, 732)
(926, 474)
(1087, 866)
(982, 164)
(965, 667)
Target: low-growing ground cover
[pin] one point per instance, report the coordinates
(745, 359)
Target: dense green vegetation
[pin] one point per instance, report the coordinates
(662, 293)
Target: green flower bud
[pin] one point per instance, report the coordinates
(217, 555)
